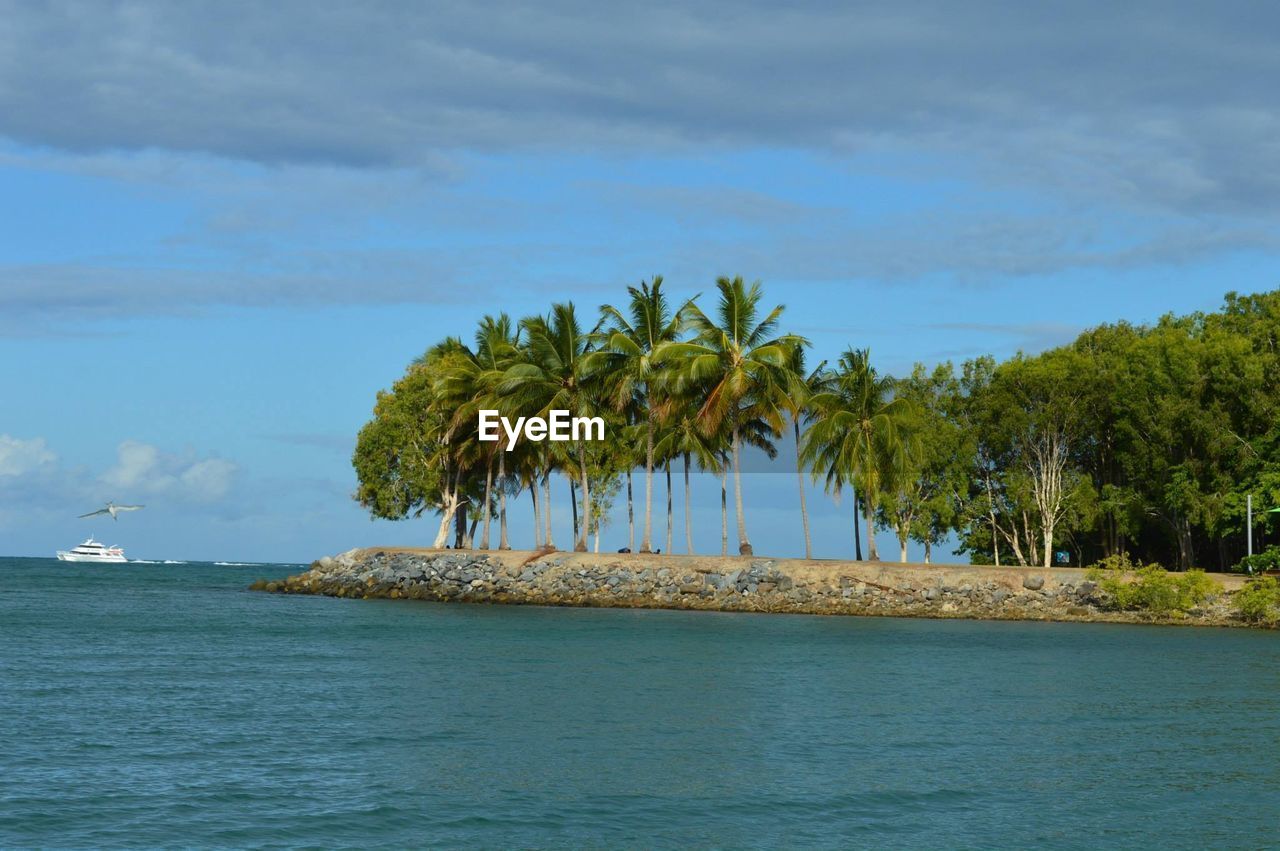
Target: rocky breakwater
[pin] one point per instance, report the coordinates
(722, 584)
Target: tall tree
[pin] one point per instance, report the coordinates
(743, 361)
(626, 360)
(552, 375)
(800, 388)
(860, 434)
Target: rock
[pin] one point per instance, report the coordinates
(1033, 583)
(999, 595)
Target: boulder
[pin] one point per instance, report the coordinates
(1033, 583)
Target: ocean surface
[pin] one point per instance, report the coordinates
(165, 705)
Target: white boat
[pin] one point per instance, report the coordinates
(91, 550)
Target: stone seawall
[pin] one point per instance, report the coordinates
(736, 584)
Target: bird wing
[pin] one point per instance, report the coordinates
(129, 507)
(95, 513)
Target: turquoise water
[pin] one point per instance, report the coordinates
(149, 705)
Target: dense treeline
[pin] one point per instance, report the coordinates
(1133, 439)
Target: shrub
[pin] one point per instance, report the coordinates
(1151, 588)
(1268, 559)
(1259, 601)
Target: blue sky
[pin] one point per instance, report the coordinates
(223, 234)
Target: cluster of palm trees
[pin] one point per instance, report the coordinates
(674, 385)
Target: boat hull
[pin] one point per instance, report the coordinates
(100, 559)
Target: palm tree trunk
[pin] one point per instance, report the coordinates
(744, 546)
(581, 545)
(688, 514)
(857, 538)
(631, 517)
(724, 510)
(503, 543)
(857, 520)
(573, 505)
(872, 553)
(488, 493)
(460, 527)
(804, 509)
(667, 466)
(537, 516)
(546, 509)
(646, 544)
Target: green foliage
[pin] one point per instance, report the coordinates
(1268, 559)
(1149, 439)
(1151, 588)
(1259, 601)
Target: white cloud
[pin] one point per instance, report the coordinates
(142, 469)
(19, 457)
(208, 480)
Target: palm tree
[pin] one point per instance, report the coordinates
(796, 400)
(859, 433)
(684, 438)
(743, 363)
(626, 359)
(445, 362)
(552, 376)
(469, 381)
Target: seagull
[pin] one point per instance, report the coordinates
(113, 509)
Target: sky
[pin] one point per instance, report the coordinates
(224, 227)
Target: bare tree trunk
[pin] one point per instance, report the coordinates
(991, 511)
(670, 515)
(1047, 464)
(631, 516)
(744, 546)
(503, 543)
(581, 545)
(646, 545)
(446, 516)
(724, 510)
(804, 510)
(902, 544)
(546, 509)
(688, 513)
(928, 551)
(488, 494)
(1013, 544)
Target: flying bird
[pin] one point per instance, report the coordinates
(113, 509)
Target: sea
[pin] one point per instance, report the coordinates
(149, 705)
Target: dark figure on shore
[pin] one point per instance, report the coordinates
(621, 549)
